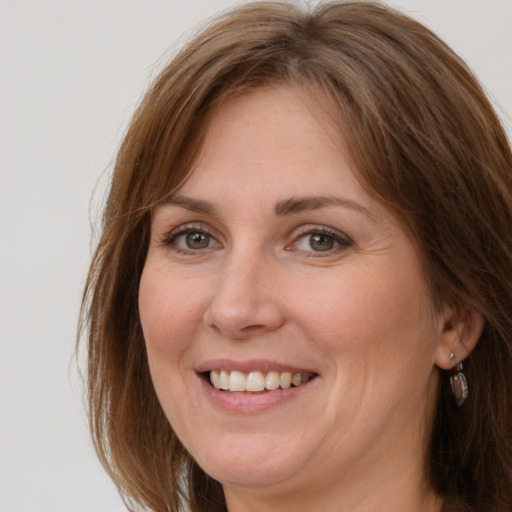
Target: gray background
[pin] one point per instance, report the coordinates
(71, 74)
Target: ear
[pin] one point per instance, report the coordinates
(460, 332)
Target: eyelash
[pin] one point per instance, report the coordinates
(171, 239)
(340, 240)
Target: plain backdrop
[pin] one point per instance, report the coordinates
(71, 73)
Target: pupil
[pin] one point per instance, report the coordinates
(197, 240)
(321, 242)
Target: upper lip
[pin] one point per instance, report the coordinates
(251, 365)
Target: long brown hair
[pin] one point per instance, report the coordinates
(426, 143)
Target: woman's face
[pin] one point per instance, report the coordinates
(273, 264)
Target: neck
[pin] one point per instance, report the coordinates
(395, 488)
(249, 502)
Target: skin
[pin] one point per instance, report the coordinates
(257, 287)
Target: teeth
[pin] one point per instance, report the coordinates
(285, 380)
(224, 380)
(237, 381)
(256, 381)
(272, 380)
(215, 379)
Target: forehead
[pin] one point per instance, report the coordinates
(279, 134)
(298, 112)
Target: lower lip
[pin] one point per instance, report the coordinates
(252, 403)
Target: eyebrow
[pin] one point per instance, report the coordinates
(301, 204)
(193, 205)
(283, 208)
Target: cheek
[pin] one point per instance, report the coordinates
(169, 313)
(376, 330)
(169, 318)
(379, 314)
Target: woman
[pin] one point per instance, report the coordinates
(301, 298)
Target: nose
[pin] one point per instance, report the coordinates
(246, 299)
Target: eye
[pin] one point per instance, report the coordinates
(321, 240)
(197, 240)
(190, 239)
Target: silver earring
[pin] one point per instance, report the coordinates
(458, 383)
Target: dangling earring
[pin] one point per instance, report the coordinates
(458, 383)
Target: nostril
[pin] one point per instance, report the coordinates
(252, 328)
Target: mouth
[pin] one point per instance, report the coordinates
(256, 381)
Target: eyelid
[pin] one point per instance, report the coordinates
(342, 239)
(169, 238)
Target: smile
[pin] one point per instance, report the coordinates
(256, 381)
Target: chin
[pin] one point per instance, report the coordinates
(250, 461)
